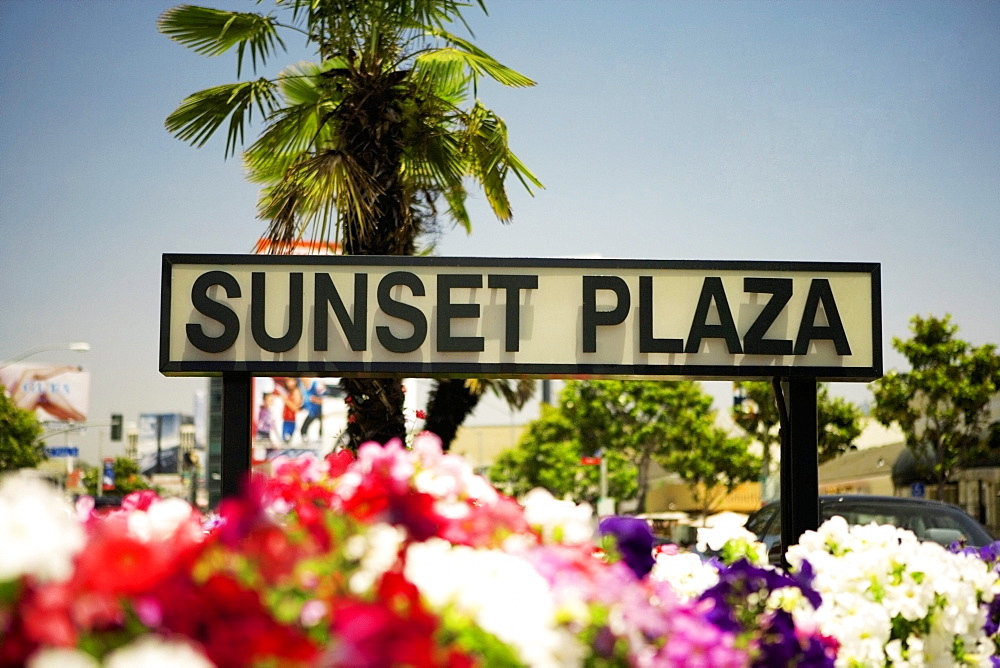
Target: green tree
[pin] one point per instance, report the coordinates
(839, 424)
(20, 436)
(713, 464)
(637, 418)
(550, 455)
(839, 421)
(757, 415)
(631, 423)
(943, 403)
(128, 479)
(366, 145)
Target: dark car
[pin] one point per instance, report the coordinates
(930, 520)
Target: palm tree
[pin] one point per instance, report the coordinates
(364, 147)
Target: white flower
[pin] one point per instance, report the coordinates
(557, 520)
(376, 549)
(39, 531)
(51, 657)
(502, 593)
(151, 651)
(686, 573)
(889, 597)
(162, 520)
(713, 539)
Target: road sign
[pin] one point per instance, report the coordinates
(64, 451)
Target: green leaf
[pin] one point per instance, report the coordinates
(475, 59)
(212, 32)
(200, 114)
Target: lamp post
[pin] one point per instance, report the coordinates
(76, 346)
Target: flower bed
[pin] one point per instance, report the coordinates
(405, 557)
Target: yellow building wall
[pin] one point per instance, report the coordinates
(669, 495)
(480, 446)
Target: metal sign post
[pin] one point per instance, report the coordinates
(237, 408)
(799, 505)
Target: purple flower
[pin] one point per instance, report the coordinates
(634, 542)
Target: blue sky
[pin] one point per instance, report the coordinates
(815, 131)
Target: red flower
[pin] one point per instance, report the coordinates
(369, 500)
(338, 462)
(140, 500)
(395, 629)
(486, 525)
(421, 414)
(46, 619)
(231, 623)
(116, 563)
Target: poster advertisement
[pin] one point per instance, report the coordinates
(53, 393)
(296, 414)
(159, 442)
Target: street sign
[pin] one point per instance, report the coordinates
(108, 478)
(64, 451)
(359, 316)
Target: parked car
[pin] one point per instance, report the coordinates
(934, 521)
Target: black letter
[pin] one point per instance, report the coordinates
(214, 310)
(754, 342)
(513, 284)
(258, 309)
(327, 295)
(647, 343)
(447, 311)
(819, 291)
(592, 318)
(410, 314)
(711, 289)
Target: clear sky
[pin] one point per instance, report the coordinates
(814, 131)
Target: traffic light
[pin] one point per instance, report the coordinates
(116, 427)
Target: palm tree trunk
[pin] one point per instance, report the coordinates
(450, 402)
(374, 410)
(373, 136)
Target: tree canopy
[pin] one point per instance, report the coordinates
(756, 413)
(942, 403)
(713, 464)
(551, 455)
(631, 423)
(20, 436)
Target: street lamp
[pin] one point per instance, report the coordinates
(76, 346)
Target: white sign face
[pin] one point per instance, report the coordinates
(489, 317)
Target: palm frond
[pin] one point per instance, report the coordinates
(212, 32)
(300, 127)
(315, 191)
(475, 59)
(200, 114)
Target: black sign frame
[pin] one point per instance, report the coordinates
(402, 369)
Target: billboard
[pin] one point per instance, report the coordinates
(355, 316)
(297, 412)
(158, 446)
(52, 393)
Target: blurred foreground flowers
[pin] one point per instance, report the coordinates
(405, 557)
